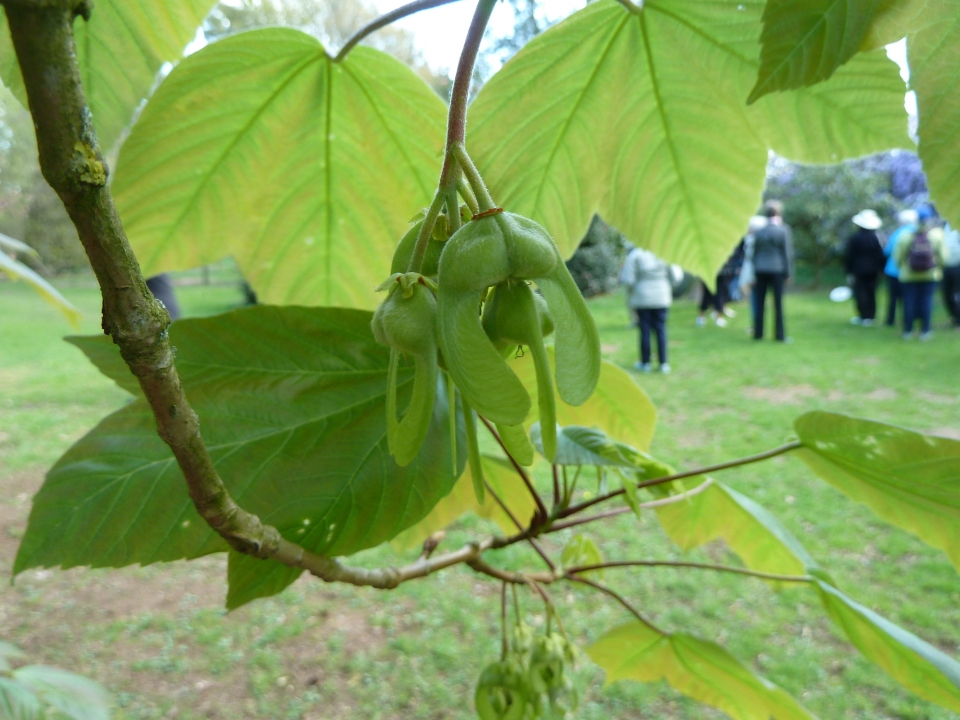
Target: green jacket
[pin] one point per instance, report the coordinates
(902, 255)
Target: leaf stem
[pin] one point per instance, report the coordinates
(429, 220)
(386, 19)
(524, 534)
(694, 565)
(574, 509)
(467, 194)
(542, 511)
(473, 176)
(616, 596)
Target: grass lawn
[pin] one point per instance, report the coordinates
(159, 639)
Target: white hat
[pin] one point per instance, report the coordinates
(908, 217)
(757, 222)
(868, 220)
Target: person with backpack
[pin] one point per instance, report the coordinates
(951, 273)
(920, 255)
(649, 282)
(863, 260)
(772, 266)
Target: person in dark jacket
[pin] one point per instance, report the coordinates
(773, 266)
(863, 260)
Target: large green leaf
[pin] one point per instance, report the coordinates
(749, 530)
(17, 702)
(16, 270)
(304, 170)
(619, 407)
(908, 479)
(805, 41)
(913, 663)
(291, 402)
(933, 59)
(641, 117)
(502, 477)
(73, 695)
(697, 668)
(120, 51)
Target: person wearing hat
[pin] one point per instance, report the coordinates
(908, 220)
(863, 260)
(920, 254)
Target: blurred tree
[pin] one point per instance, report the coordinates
(596, 264)
(330, 21)
(820, 200)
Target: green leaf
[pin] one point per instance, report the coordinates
(931, 54)
(101, 351)
(618, 406)
(291, 402)
(805, 41)
(12, 245)
(630, 493)
(17, 702)
(16, 270)
(73, 695)
(714, 511)
(581, 550)
(603, 108)
(913, 663)
(697, 668)
(119, 51)
(304, 170)
(502, 477)
(908, 479)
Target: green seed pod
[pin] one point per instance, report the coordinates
(513, 316)
(404, 251)
(406, 323)
(502, 692)
(488, 252)
(547, 659)
(516, 442)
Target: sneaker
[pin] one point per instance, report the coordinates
(926, 336)
(729, 312)
(867, 323)
(721, 322)
(855, 321)
(908, 336)
(665, 368)
(642, 366)
(701, 321)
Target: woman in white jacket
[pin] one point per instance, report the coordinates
(649, 282)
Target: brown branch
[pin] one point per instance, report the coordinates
(509, 576)
(386, 19)
(542, 511)
(73, 165)
(616, 596)
(524, 532)
(574, 509)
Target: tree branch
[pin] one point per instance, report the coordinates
(542, 511)
(616, 596)
(73, 165)
(386, 19)
(524, 532)
(508, 576)
(574, 509)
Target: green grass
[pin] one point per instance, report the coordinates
(157, 636)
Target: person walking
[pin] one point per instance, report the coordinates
(891, 271)
(720, 296)
(649, 282)
(863, 260)
(772, 267)
(920, 254)
(951, 273)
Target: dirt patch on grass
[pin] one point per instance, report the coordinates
(935, 398)
(881, 394)
(788, 395)
(951, 433)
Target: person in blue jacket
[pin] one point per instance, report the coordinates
(908, 224)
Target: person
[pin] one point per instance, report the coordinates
(863, 260)
(891, 271)
(649, 282)
(951, 273)
(162, 288)
(919, 255)
(720, 296)
(747, 276)
(772, 267)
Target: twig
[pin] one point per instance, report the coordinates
(520, 527)
(508, 576)
(386, 19)
(549, 601)
(573, 509)
(541, 508)
(556, 487)
(503, 620)
(695, 565)
(618, 598)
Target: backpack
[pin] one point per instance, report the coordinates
(920, 257)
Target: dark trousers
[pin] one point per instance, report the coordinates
(162, 288)
(775, 282)
(917, 304)
(865, 294)
(951, 292)
(654, 319)
(715, 299)
(893, 297)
